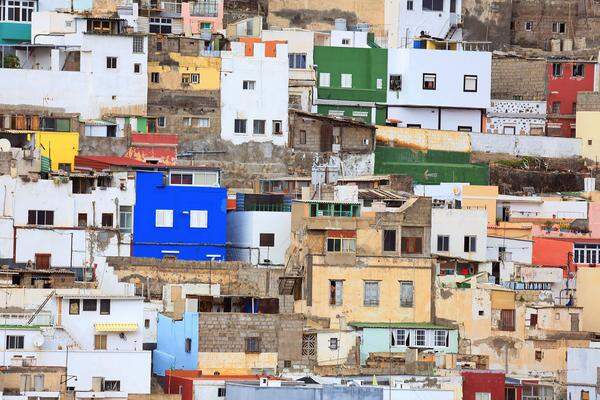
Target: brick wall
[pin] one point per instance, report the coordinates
(522, 78)
(588, 101)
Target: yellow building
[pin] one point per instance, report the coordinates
(588, 130)
(60, 147)
(186, 72)
(588, 282)
(350, 265)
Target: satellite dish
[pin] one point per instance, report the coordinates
(38, 341)
(4, 145)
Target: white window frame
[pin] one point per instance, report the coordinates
(195, 78)
(245, 131)
(198, 219)
(248, 85)
(379, 83)
(417, 343)
(161, 122)
(437, 338)
(346, 81)
(163, 218)
(371, 302)
(400, 334)
(483, 396)
(203, 122)
(324, 79)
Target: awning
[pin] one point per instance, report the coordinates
(116, 327)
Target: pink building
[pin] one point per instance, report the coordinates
(202, 16)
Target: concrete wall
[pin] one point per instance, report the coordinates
(582, 372)
(170, 350)
(458, 223)
(537, 146)
(587, 286)
(588, 124)
(521, 250)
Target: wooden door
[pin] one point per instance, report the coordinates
(42, 260)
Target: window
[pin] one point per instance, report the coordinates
(556, 107)
(395, 82)
(198, 219)
(137, 67)
(154, 77)
(161, 121)
(574, 108)
(406, 294)
(483, 396)
(371, 296)
(147, 323)
(164, 218)
(111, 62)
(412, 245)
(107, 220)
(125, 218)
(440, 338)
(324, 79)
(400, 337)
(409, 5)
(138, 44)
(507, 320)
(105, 306)
(112, 386)
(64, 167)
(82, 220)
(589, 142)
(15, 342)
(586, 253)
(538, 355)
(585, 394)
(429, 81)
(302, 138)
(379, 83)
(248, 85)
(73, 306)
(346, 80)
(277, 127)
(195, 78)
(90, 304)
(160, 25)
(239, 126)
(181, 179)
(100, 342)
(205, 25)
(345, 41)
(578, 69)
(470, 83)
(185, 79)
(443, 243)
(40, 217)
(464, 128)
(509, 130)
(188, 345)
(433, 5)
(470, 244)
(557, 69)
(159, 46)
(389, 240)
(420, 337)
(252, 345)
(529, 26)
(559, 27)
(336, 292)
(267, 240)
(341, 245)
(221, 392)
(203, 122)
(18, 11)
(198, 178)
(259, 127)
(297, 60)
(333, 343)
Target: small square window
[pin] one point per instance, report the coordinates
(429, 81)
(161, 122)
(345, 41)
(333, 343)
(107, 220)
(277, 127)
(252, 345)
(267, 240)
(259, 127)
(346, 81)
(195, 78)
(324, 79)
(111, 62)
(559, 27)
(557, 69)
(470, 83)
(239, 126)
(249, 85)
(154, 77)
(221, 392)
(90, 304)
(137, 68)
(529, 26)
(539, 355)
(578, 70)
(589, 142)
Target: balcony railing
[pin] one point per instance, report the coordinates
(208, 8)
(171, 7)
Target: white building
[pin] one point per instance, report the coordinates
(254, 94)
(348, 38)
(408, 19)
(582, 372)
(516, 117)
(301, 64)
(85, 65)
(516, 208)
(64, 222)
(459, 233)
(438, 89)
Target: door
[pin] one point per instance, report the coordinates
(42, 261)
(574, 322)
(453, 10)
(511, 393)
(326, 137)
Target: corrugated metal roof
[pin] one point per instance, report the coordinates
(398, 325)
(116, 327)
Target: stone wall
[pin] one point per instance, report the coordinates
(487, 20)
(107, 146)
(519, 78)
(588, 101)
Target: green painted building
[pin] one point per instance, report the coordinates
(352, 82)
(430, 167)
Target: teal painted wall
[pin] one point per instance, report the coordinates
(15, 32)
(366, 66)
(430, 167)
(377, 340)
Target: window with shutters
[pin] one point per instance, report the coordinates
(198, 219)
(336, 292)
(412, 245)
(400, 337)
(371, 295)
(164, 218)
(406, 294)
(507, 320)
(100, 342)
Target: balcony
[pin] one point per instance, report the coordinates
(171, 8)
(208, 8)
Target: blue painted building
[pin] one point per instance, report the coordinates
(180, 213)
(176, 344)
(398, 337)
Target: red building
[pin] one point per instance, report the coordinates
(566, 253)
(483, 385)
(566, 78)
